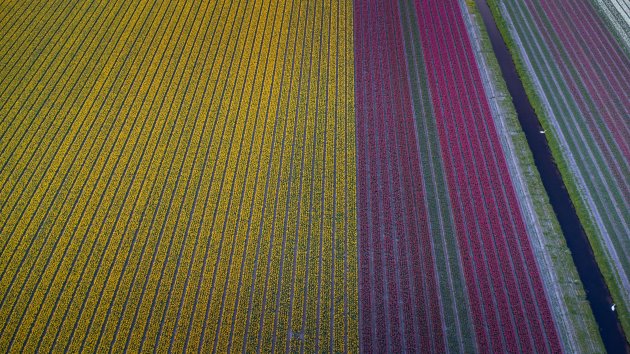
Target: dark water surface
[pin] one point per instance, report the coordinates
(596, 290)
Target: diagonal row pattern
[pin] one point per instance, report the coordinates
(177, 176)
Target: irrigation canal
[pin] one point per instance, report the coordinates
(596, 290)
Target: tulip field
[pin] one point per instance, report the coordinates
(294, 176)
(578, 66)
(177, 176)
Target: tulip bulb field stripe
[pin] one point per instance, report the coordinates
(177, 176)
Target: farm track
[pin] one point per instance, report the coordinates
(133, 167)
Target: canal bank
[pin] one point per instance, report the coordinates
(597, 293)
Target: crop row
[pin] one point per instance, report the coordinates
(488, 221)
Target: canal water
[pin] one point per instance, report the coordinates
(596, 290)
